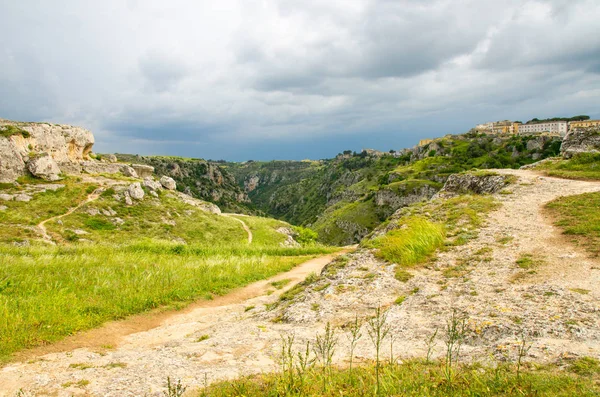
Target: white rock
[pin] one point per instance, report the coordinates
(43, 166)
(153, 194)
(151, 184)
(128, 200)
(6, 197)
(168, 183)
(3, 208)
(93, 211)
(128, 171)
(135, 191)
(23, 197)
(111, 158)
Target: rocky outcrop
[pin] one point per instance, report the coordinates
(128, 171)
(143, 171)
(151, 184)
(481, 182)
(135, 191)
(203, 205)
(67, 146)
(43, 166)
(168, 183)
(581, 140)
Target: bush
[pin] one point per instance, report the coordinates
(305, 235)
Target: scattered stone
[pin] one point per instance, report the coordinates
(80, 232)
(3, 208)
(128, 200)
(93, 211)
(6, 197)
(128, 171)
(135, 191)
(23, 197)
(60, 222)
(168, 183)
(111, 158)
(118, 221)
(109, 212)
(43, 166)
(24, 243)
(153, 194)
(151, 184)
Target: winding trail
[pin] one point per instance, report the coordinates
(41, 227)
(236, 335)
(244, 225)
(136, 343)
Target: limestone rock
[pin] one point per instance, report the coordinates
(66, 145)
(128, 171)
(581, 140)
(23, 197)
(3, 208)
(128, 200)
(152, 185)
(203, 205)
(168, 183)
(483, 183)
(6, 197)
(111, 158)
(135, 191)
(143, 171)
(43, 166)
(95, 167)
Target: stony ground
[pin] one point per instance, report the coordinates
(556, 307)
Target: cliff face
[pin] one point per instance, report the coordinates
(198, 178)
(581, 140)
(64, 145)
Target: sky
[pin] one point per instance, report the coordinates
(293, 79)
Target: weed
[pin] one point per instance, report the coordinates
(202, 338)
(400, 300)
(378, 329)
(585, 366)
(354, 335)
(580, 291)
(248, 308)
(455, 335)
(174, 389)
(281, 283)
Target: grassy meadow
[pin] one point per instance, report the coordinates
(111, 260)
(579, 217)
(584, 166)
(420, 378)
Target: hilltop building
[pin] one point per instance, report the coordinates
(499, 127)
(552, 127)
(584, 124)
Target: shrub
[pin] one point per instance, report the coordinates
(305, 235)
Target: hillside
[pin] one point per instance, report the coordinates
(345, 198)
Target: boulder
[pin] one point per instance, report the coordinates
(168, 183)
(43, 166)
(152, 185)
(128, 200)
(128, 171)
(23, 197)
(143, 171)
(96, 167)
(3, 208)
(6, 197)
(111, 158)
(474, 182)
(581, 140)
(12, 165)
(135, 191)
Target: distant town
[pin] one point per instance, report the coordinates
(554, 126)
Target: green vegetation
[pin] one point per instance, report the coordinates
(410, 244)
(574, 118)
(47, 293)
(529, 261)
(420, 378)
(585, 166)
(579, 218)
(345, 198)
(9, 130)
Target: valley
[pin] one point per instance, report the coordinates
(120, 274)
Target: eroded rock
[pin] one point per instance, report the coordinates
(168, 183)
(135, 191)
(581, 140)
(43, 166)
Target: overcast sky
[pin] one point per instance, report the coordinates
(293, 79)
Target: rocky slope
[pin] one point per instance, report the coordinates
(243, 335)
(198, 178)
(581, 140)
(347, 197)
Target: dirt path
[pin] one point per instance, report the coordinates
(134, 342)
(241, 336)
(41, 227)
(244, 225)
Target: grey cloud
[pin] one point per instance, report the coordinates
(161, 72)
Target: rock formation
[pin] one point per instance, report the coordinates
(581, 140)
(168, 183)
(474, 182)
(43, 166)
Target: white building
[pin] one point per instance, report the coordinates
(553, 127)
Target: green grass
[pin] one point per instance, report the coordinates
(47, 293)
(9, 130)
(579, 218)
(585, 166)
(418, 378)
(529, 261)
(415, 240)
